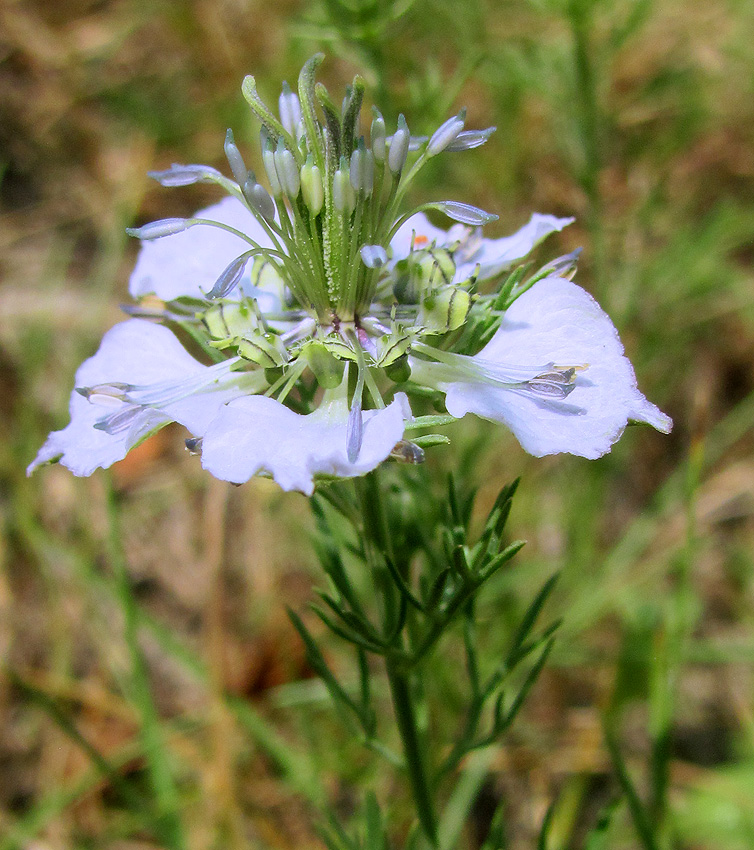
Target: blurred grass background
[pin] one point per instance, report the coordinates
(635, 116)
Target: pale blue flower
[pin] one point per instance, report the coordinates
(320, 307)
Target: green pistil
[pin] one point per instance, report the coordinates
(324, 269)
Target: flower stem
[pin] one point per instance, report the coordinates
(405, 715)
(377, 536)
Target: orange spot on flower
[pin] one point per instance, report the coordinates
(420, 240)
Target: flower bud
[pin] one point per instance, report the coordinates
(235, 160)
(445, 311)
(398, 152)
(229, 320)
(432, 268)
(265, 350)
(311, 186)
(290, 109)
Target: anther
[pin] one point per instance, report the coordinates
(344, 198)
(235, 160)
(290, 109)
(377, 136)
(287, 171)
(446, 133)
(158, 229)
(311, 186)
(398, 152)
(556, 383)
(113, 392)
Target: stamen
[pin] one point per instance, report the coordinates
(119, 421)
(144, 311)
(354, 431)
(468, 139)
(373, 256)
(554, 384)
(469, 244)
(407, 452)
(551, 381)
(106, 395)
(154, 395)
(465, 213)
(230, 277)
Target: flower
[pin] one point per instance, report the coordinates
(315, 308)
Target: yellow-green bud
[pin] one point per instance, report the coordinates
(445, 311)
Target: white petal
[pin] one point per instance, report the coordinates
(256, 434)
(558, 322)
(496, 255)
(493, 255)
(134, 352)
(268, 289)
(189, 263)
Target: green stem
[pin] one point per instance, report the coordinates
(373, 517)
(377, 538)
(405, 715)
(580, 14)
